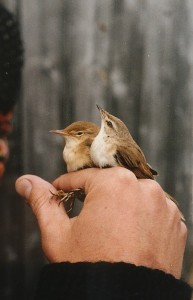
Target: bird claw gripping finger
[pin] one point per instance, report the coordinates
(69, 196)
(60, 194)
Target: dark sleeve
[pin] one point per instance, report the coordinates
(108, 281)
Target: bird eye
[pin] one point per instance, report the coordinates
(79, 133)
(109, 123)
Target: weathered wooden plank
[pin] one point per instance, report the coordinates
(86, 44)
(164, 92)
(126, 62)
(43, 70)
(158, 79)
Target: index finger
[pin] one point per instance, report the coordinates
(93, 177)
(75, 180)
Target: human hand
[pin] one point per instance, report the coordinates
(122, 219)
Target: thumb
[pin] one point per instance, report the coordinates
(36, 192)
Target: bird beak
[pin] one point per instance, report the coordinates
(102, 111)
(61, 132)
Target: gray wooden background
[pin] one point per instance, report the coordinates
(132, 57)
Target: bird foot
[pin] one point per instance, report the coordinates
(69, 196)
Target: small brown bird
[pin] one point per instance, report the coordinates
(78, 139)
(114, 146)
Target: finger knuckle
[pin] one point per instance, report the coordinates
(124, 175)
(184, 231)
(155, 189)
(174, 210)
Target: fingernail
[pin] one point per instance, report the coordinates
(24, 187)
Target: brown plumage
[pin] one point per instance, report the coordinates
(114, 146)
(78, 138)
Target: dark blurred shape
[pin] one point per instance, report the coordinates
(11, 60)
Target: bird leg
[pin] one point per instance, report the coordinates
(69, 196)
(60, 194)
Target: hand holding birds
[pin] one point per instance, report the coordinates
(123, 219)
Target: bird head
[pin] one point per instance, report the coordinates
(112, 126)
(78, 132)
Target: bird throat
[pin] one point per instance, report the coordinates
(103, 150)
(76, 156)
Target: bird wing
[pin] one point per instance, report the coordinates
(133, 159)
